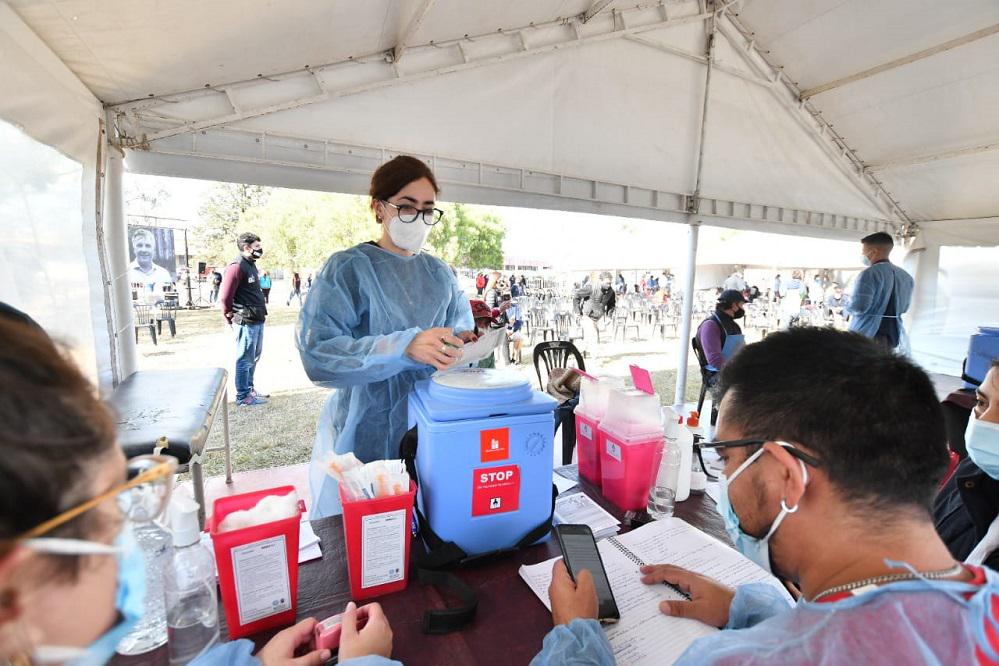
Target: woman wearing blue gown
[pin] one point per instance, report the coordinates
(380, 316)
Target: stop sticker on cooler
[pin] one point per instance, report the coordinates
(495, 490)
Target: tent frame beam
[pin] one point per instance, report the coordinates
(900, 62)
(411, 29)
(462, 60)
(672, 50)
(933, 157)
(788, 95)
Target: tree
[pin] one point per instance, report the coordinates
(220, 215)
(301, 229)
(468, 237)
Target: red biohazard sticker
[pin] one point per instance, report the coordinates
(495, 490)
(494, 445)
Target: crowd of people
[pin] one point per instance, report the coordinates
(833, 446)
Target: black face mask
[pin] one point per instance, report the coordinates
(739, 314)
(256, 254)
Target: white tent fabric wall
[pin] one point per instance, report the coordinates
(48, 197)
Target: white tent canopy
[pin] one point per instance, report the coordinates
(831, 118)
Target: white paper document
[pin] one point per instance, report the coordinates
(579, 509)
(563, 484)
(260, 570)
(644, 635)
(483, 347)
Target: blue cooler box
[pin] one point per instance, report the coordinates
(982, 349)
(484, 456)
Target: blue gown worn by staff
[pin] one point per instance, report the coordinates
(872, 294)
(913, 622)
(364, 309)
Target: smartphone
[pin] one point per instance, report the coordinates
(579, 551)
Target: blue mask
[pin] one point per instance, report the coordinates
(865, 260)
(755, 548)
(129, 600)
(982, 440)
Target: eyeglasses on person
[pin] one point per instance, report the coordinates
(141, 498)
(408, 214)
(737, 443)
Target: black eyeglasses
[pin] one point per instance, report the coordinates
(736, 443)
(408, 214)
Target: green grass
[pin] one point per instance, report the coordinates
(195, 323)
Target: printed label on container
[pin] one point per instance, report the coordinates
(383, 548)
(260, 571)
(585, 430)
(494, 445)
(495, 490)
(614, 450)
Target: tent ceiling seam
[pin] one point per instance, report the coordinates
(866, 182)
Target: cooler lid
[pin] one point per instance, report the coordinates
(470, 393)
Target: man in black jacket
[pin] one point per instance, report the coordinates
(966, 509)
(244, 308)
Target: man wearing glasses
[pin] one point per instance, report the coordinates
(839, 505)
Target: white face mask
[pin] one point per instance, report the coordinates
(408, 235)
(982, 440)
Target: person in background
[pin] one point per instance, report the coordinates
(265, 286)
(296, 289)
(837, 300)
(841, 506)
(734, 282)
(881, 294)
(778, 288)
(244, 308)
(516, 290)
(480, 284)
(792, 295)
(91, 561)
(523, 281)
(620, 285)
(486, 319)
(381, 316)
(515, 322)
(308, 283)
(720, 337)
(966, 510)
(216, 285)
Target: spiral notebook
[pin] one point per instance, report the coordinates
(644, 635)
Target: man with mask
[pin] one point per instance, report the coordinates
(966, 511)
(881, 294)
(243, 308)
(720, 336)
(841, 507)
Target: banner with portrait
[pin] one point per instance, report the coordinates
(152, 256)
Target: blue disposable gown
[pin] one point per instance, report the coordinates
(364, 308)
(911, 622)
(871, 294)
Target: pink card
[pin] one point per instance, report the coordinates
(642, 379)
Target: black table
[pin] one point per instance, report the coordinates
(510, 623)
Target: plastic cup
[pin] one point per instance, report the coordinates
(661, 502)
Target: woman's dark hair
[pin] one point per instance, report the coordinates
(871, 417)
(396, 174)
(54, 429)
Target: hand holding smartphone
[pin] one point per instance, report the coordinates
(579, 552)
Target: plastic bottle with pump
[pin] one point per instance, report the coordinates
(698, 480)
(189, 587)
(684, 440)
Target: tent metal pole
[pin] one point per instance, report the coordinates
(116, 240)
(693, 206)
(685, 318)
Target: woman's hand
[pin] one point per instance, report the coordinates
(437, 347)
(374, 638)
(709, 599)
(571, 600)
(281, 649)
